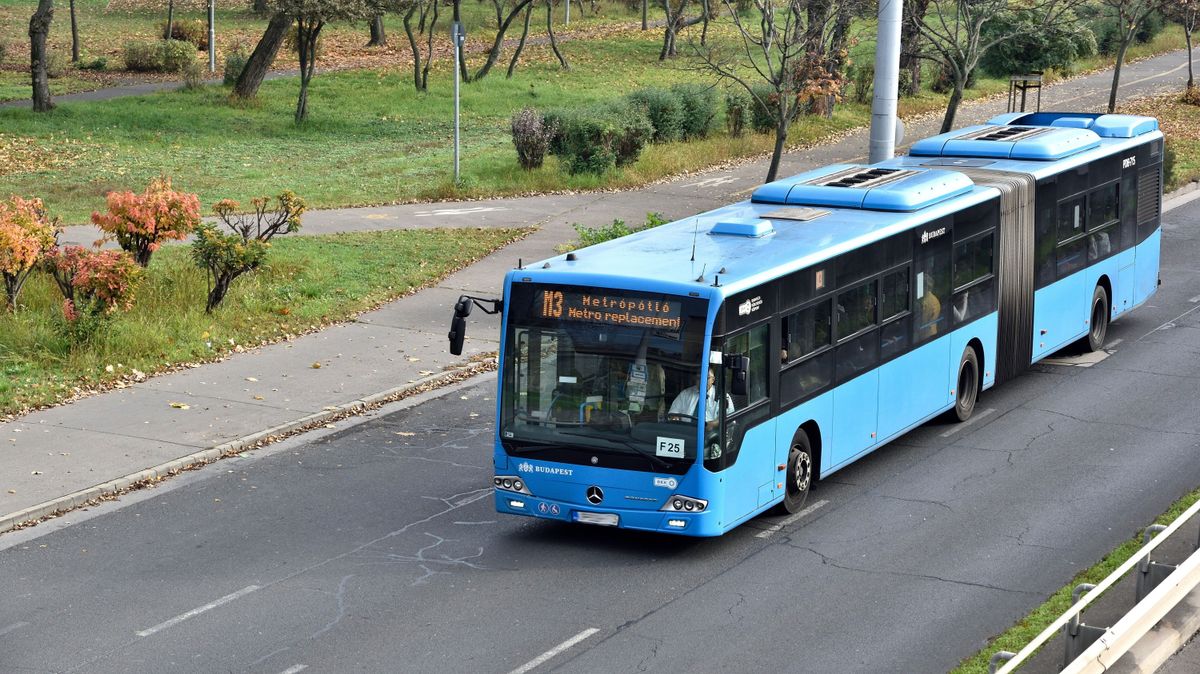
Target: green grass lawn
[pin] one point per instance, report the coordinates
(371, 138)
(308, 282)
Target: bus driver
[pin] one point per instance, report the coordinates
(686, 406)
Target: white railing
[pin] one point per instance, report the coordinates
(1118, 639)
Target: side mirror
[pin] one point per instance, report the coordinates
(458, 325)
(740, 366)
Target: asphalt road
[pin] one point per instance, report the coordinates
(375, 547)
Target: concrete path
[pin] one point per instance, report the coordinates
(61, 457)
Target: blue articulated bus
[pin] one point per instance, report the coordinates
(689, 377)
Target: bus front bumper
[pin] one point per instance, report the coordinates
(687, 523)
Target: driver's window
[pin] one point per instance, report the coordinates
(754, 343)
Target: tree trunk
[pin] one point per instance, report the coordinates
(781, 133)
(170, 19)
(307, 32)
(260, 6)
(39, 28)
(498, 43)
(956, 97)
(704, 33)
(562, 61)
(1126, 38)
(378, 36)
(462, 53)
(74, 35)
(910, 41)
(412, 44)
(512, 65)
(668, 48)
(263, 56)
(645, 24)
(1187, 36)
(429, 57)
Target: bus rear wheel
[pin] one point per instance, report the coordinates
(967, 391)
(1099, 325)
(799, 474)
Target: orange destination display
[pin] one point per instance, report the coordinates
(638, 312)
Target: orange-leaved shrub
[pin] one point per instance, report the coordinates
(26, 233)
(95, 284)
(141, 222)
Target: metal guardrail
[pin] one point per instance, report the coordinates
(1092, 649)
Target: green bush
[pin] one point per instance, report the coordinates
(1034, 48)
(1107, 29)
(601, 137)
(590, 236)
(235, 62)
(699, 104)
(159, 56)
(194, 31)
(664, 109)
(99, 63)
(737, 112)
(762, 120)
(177, 55)
(56, 65)
(555, 120)
(862, 78)
(531, 136)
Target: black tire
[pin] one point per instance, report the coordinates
(967, 389)
(1098, 329)
(799, 478)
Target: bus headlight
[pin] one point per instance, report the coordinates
(510, 483)
(685, 504)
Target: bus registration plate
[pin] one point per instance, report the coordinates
(603, 519)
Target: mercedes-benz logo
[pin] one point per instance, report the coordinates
(595, 495)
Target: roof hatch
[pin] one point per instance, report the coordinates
(1009, 141)
(869, 187)
(1105, 126)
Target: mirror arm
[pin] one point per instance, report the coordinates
(497, 305)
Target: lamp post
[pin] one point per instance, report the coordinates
(212, 36)
(458, 36)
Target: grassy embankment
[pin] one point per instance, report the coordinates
(1026, 629)
(1178, 122)
(308, 283)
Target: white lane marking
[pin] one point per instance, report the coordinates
(458, 211)
(1168, 324)
(197, 611)
(294, 669)
(712, 182)
(13, 628)
(771, 530)
(532, 664)
(968, 422)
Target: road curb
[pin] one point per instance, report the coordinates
(114, 488)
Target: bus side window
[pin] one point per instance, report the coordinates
(1072, 247)
(809, 362)
(858, 342)
(974, 287)
(1045, 241)
(754, 343)
(931, 290)
(893, 313)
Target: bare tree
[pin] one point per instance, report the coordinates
(562, 60)
(953, 31)
(311, 16)
(498, 43)
(426, 12)
(170, 19)
(677, 20)
(512, 64)
(910, 42)
(39, 28)
(764, 61)
(1129, 14)
(1187, 14)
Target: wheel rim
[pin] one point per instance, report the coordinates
(802, 475)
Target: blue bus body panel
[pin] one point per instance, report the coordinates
(919, 191)
(855, 417)
(749, 484)
(905, 402)
(1122, 299)
(1148, 253)
(1060, 314)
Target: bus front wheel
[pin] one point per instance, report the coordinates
(968, 385)
(799, 474)
(1099, 325)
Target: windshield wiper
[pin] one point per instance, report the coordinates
(662, 463)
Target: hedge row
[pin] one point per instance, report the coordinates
(603, 136)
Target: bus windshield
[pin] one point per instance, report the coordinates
(591, 376)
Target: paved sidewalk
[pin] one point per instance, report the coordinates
(64, 456)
